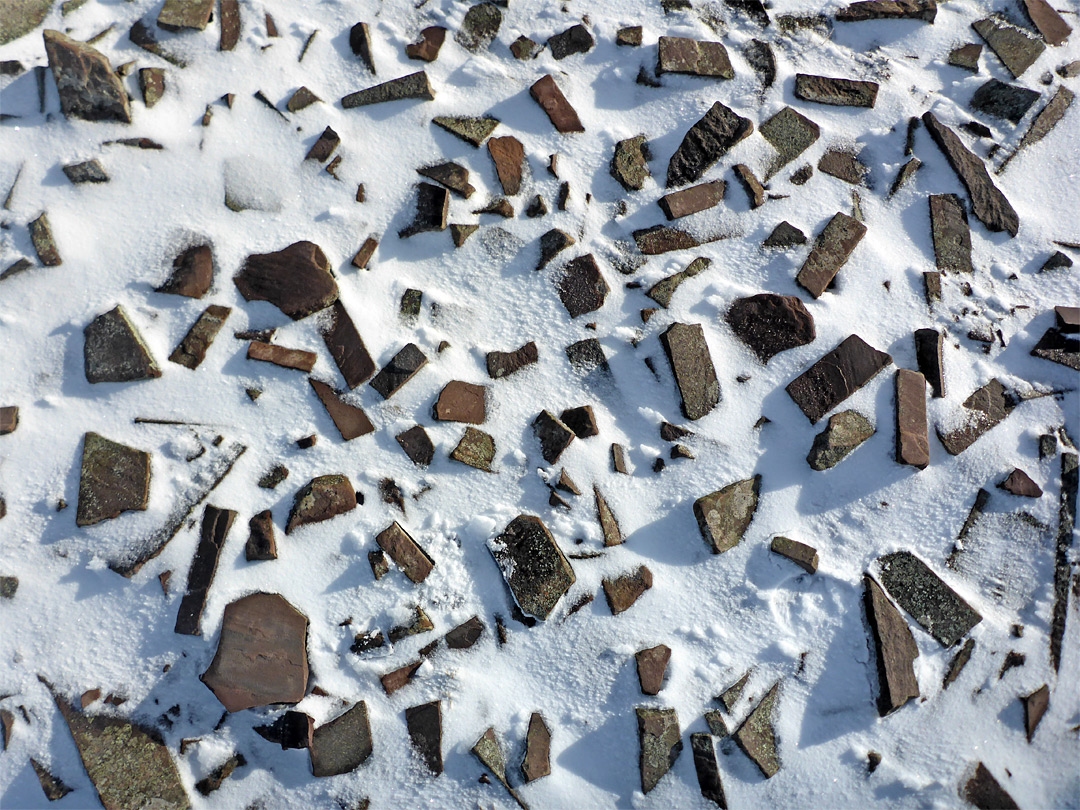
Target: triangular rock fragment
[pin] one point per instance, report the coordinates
(343, 744)
(927, 598)
(320, 499)
(724, 516)
(895, 649)
(756, 736)
(661, 743)
(470, 130)
(88, 86)
(115, 351)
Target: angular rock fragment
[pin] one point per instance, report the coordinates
(708, 773)
(90, 171)
(343, 744)
(192, 273)
(693, 368)
(479, 27)
(143, 37)
(651, 667)
(215, 527)
(1057, 261)
(349, 419)
(912, 439)
(500, 207)
(925, 10)
(952, 238)
(609, 525)
(321, 499)
(402, 367)
(9, 419)
(261, 543)
(152, 85)
(759, 56)
(756, 736)
(1035, 706)
(280, 356)
(573, 40)
(1050, 24)
(1001, 100)
(421, 623)
(801, 554)
(44, 244)
(1015, 47)
(114, 479)
(966, 57)
(52, 786)
(360, 45)
(460, 233)
(588, 359)
(417, 445)
(398, 678)
(629, 36)
(476, 448)
(524, 48)
(986, 407)
(292, 730)
(581, 420)
(347, 347)
(907, 171)
(452, 175)
(509, 157)
(844, 433)
(923, 594)
(192, 349)
(630, 165)
(1045, 121)
(562, 115)
(682, 55)
(1058, 348)
(895, 649)
(470, 130)
(432, 209)
(176, 15)
(537, 208)
(581, 286)
(425, 731)
(785, 235)
(413, 86)
(831, 251)
(958, 663)
(983, 791)
(770, 324)
(465, 635)
(692, 200)
(230, 25)
(835, 92)
(554, 435)
(428, 47)
(1063, 572)
(406, 553)
(566, 484)
(706, 142)
(663, 290)
(215, 778)
(622, 592)
(502, 364)
(661, 743)
(537, 761)
(1020, 483)
(724, 516)
(262, 654)
(88, 86)
(928, 344)
(836, 376)
(754, 190)
(323, 147)
(844, 166)
(663, 239)
(533, 565)
(296, 279)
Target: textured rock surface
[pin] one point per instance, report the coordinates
(415, 86)
(114, 351)
(320, 499)
(661, 743)
(479, 27)
(44, 245)
(261, 543)
(707, 141)
(651, 667)
(405, 552)
(432, 210)
(836, 376)
(692, 366)
(623, 591)
(563, 117)
(502, 364)
(912, 439)
(1015, 47)
(296, 279)
(692, 200)
(791, 133)
(343, 744)
(424, 723)
(115, 478)
(952, 238)
(801, 554)
(895, 649)
(708, 772)
(402, 367)
(925, 10)
(509, 156)
(844, 433)
(770, 324)
(835, 92)
(536, 570)
(349, 419)
(757, 737)
(724, 516)
(537, 761)
(923, 594)
(192, 273)
(346, 347)
(985, 409)
(831, 251)
(471, 130)
(192, 349)
(88, 86)
(553, 434)
(983, 791)
(215, 528)
(662, 291)
(581, 286)
(1001, 100)
(630, 165)
(476, 448)
(682, 55)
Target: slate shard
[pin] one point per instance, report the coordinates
(622, 592)
(452, 175)
(424, 723)
(923, 594)
(343, 744)
(692, 200)
(465, 635)
(114, 350)
(770, 324)
(553, 434)
(836, 376)
(693, 57)
(754, 190)
(324, 146)
(983, 791)
(114, 479)
(177, 15)
(804, 556)
(428, 47)
(895, 649)
(662, 291)
(661, 743)
(1049, 23)
(537, 761)
(986, 408)
(1035, 706)
(708, 773)
(651, 667)
(1001, 100)
(415, 86)
(9, 419)
(347, 347)
(90, 171)
(479, 27)
(432, 210)
(912, 439)
(509, 157)
(406, 553)
(349, 419)
(925, 10)
(281, 356)
(831, 251)
(581, 420)
(192, 349)
(757, 737)
(630, 164)
(724, 516)
(320, 499)
(261, 543)
(581, 286)
(1016, 48)
(952, 238)
(296, 279)
(44, 244)
(476, 448)
(843, 165)
(360, 45)
(192, 273)
(705, 143)
(535, 569)
(503, 364)
(785, 235)
(609, 525)
(573, 40)
(215, 528)
(693, 368)
(417, 445)
(88, 86)
(402, 367)
(835, 92)
(663, 239)
(1058, 347)
(759, 55)
(470, 130)
(52, 786)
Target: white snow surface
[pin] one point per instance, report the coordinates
(82, 626)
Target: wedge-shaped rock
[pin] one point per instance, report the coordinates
(691, 200)
(115, 478)
(791, 133)
(706, 142)
(297, 279)
(804, 556)
(835, 92)
(192, 349)
(534, 567)
(757, 737)
(836, 376)
(622, 592)
(663, 239)
(360, 44)
(1046, 120)
(476, 448)
(262, 654)
(1001, 100)
(845, 432)
(470, 130)
(342, 339)
(425, 731)
(281, 356)
(983, 791)
(402, 367)
(537, 761)
(349, 419)
(417, 445)
(986, 407)
(563, 117)
(662, 290)
(609, 525)
(1035, 706)
(192, 273)
(708, 772)
(261, 543)
(215, 528)
(682, 55)
(831, 251)
(343, 744)
(925, 10)
(770, 324)
(465, 635)
(923, 594)
(405, 552)
(44, 245)
(895, 649)
(114, 350)
(509, 157)
(489, 752)
(554, 435)
(321, 499)
(843, 165)
(413, 86)
(1015, 47)
(724, 516)
(952, 237)
(912, 439)
(693, 368)
(581, 286)
(89, 171)
(630, 165)
(452, 175)
(88, 86)
(432, 210)
(1058, 347)
(661, 743)
(324, 146)
(1051, 25)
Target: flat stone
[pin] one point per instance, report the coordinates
(427, 48)
(9, 419)
(928, 345)
(320, 499)
(623, 591)
(214, 780)
(831, 251)
(143, 37)
(406, 553)
(1058, 347)
(966, 56)
(292, 730)
(1016, 48)
(281, 356)
(730, 697)
(1050, 24)
(907, 171)
(461, 232)
(261, 656)
(417, 445)
(88, 86)
(836, 376)
(502, 364)
(414, 86)
(802, 175)
(661, 743)
(176, 15)
(360, 45)
(9, 586)
(215, 528)
(609, 525)
(630, 165)
(1035, 706)
(296, 279)
(618, 459)
(537, 761)
(261, 543)
(1001, 100)
(509, 157)
(835, 92)
(923, 594)
(785, 235)
(424, 723)
(402, 367)
(697, 58)
(804, 556)
(343, 744)
(1057, 261)
(566, 484)
(912, 439)
(192, 273)
(476, 448)
(1020, 483)
(629, 36)
(452, 175)
(470, 130)
(986, 407)
(573, 40)
(708, 772)
(324, 146)
(489, 752)
(114, 351)
(554, 435)
(663, 290)
(581, 420)
(421, 623)
(770, 324)
(114, 479)
(562, 115)
(754, 190)
(479, 27)
(588, 360)
(44, 244)
(152, 85)
(533, 565)
(346, 347)
(759, 55)
(1067, 319)
(895, 649)
(192, 349)
(90, 171)
(952, 237)
(959, 661)
(724, 516)
(432, 210)
(925, 10)
(537, 208)
(651, 667)
(21, 17)
(465, 635)
(1063, 573)
(843, 166)
(349, 419)
(844, 433)
(705, 143)
(663, 239)
(230, 25)
(983, 791)
(581, 286)
(400, 677)
(500, 207)
(693, 368)
(692, 200)
(524, 48)
(757, 737)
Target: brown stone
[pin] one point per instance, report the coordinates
(176, 15)
(629, 36)
(114, 479)
(553, 434)
(912, 439)
(88, 86)
(192, 274)
(343, 744)
(843, 165)
(663, 239)
(804, 556)
(425, 731)
(9, 419)
(618, 459)
(261, 543)
(754, 190)
(296, 279)
(705, 143)
(230, 25)
(693, 368)
(114, 350)
(152, 85)
(630, 164)
(476, 448)
(831, 251)
(651, 668)
(420, 623)
(402, 367)
(406, 554)
(724, 516)
(192, 349)
(321, 499)
(609, 525)
(417, 445)
(215, 528)
(1020, 483)
(281, 356)
(415, 86)
(986, 407)
(452, 175)
(1035, 706)
(661, 743)
(757, 737)
(509, 157)
(708, 772)
(682, 55)
(563, 117)
(581, 286)
(1017, 48)
(925, 10)
(432, 210)
(324, 146)
(393, 681)
(952, 238)
(537, 761)
(835, 92)
(349, 419)
(959, 661)
(347, 347)
(836, 376)
(364, 254)
(662, 291)
(770, 324)
(465, 635)
(533, 565)
(427, 47)
(581, 420)
(623, 591)
(966, 56)
(461, 402)
(470, 130)
(983, 791)
(896, 650)
(692, 200)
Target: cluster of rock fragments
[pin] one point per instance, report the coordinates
(262, 648)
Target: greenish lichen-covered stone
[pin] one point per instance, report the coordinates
(661, 743)
(844, 433)
(115, 478)
(19, 17)
(756, 736)
(724, 516)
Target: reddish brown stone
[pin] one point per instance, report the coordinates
(509, 157)
(563, 117)
(622, 592)
(430, 42)
(192, 349)
(366, 251)
(88, 86)
(896, 650)
(705, 143)
(692, 200)
(983, 791)
(912, 440)
(324, 146)
(297, 279)
(581, 286)
(281, 356)
(405, 552)
(261, 543)
(651, 667)
(9, 419)
(321, 499)
(461, 402)
(830, 252)
(770, 324)
(836, 376)
(1020, 483)
(347, 347)
(192, 274)
(230, 25)
(985, 408)
(502, 364)
(393, 681)
(537, 760)
(682, 55)
(350, 420)
(1035, 706)
(402, 367)
(465, 634)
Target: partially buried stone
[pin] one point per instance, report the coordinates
(452, 175)
(952, 237)
(461, 232)
(281, 356)
(630, 165)
(90, 171)
(500, 207)
(553, 434)
(262, 654)
(509, 157)
(985, 408)
(573, 40)
(1008, 101)
(844, 433)
(1058, 347)
(479, 27)
(417, 445)
(623, 591)
(785, 235)
(547, 94)
(923, 594)
(791, 133)
(524, 48)
(425, 731)
(1019, 483)
(1057, 261)
(213, 781)
(706, 142)
(274, 476)
(400, 677)
(552, 243)
(757, 737)
(465, 635)
(192, 349)
(52, 786)
(697, 58)
(9, 586)
(406, 553)
(432, 209)
(176, 15)
(959, 661)
(9, 419)
(804, 556)
(844, 166)
(581, 420)
(1016, 48)
(42, 239)
(296, 279)
(152, 84)
(192, 273)
(502, 364)
(360, 44)
(413, 86)
(692, 200)
(754, 190)
(609, 525)
(693, 368)
(533, 565)
(581, 286)
(114, 350)
(983, 791)
(663, 239)
(907, 171)
(661, 743)
(895, 649)
(724, 516)
(770, 324)
(349, 419)
(320, 499)
(342, 339)
(925, 10)
(912, 439)
(966, 56)
(831, 251)
(420, 623)
(759, 55)
(114, 479)
(651, 667)
(428, 46)
(476, 448)
(470, 130)
(663, 290)
(1035, 706)
(836, 376)
(835, 92)
(402, 367)
(324, 146)
(261, 543)
(343, 744)
(708, 773)
(88, 86)
(630, 36)
(537, 761)
(215, 528)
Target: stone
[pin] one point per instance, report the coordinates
(581, 420)
(1057, 261)
(663, 239)
(476, 448)
(705, 143)
(618, 459)
(20, 17)
(952, 237)
(503, 364)
(215, 528)
(500, 207)
(421, 623)
(399, 678)
(588, 360)
(320, 499)
(380, 567)
(417, 445)
(11, 67)
(406, 553)
(360, 45)
(757, 737)
(9, 419)
(1063, 573)
(343, 744)
(928, 345)
(88, 86)
(651, 667)
(509, 157)
(230, 25)
(537, 208)
(682, 55)
(844, 166)
(552, 243)
(692, 366)
(402, 367)
(623, 591)
(1058, 348)
(629, 36)
(1016, 48)
(759, 55)
(630, 165)
(414, 86)
(986, 407)
(192, 273)
(966, 56)
(836, 376)
(1049, 23)
(176, 15)
(708, 772)
(912, 439)
(1035, 706)
(53, 787)
(192, 349)
(114, 479)
(426, 49)
(724, 516)
(554, 435)
(537, 761)
(424, 723)
(785, 235)
(958, 662)
(1019, 483)
(470, 130)
(9, 586)
(831, 251)
(533, 565)
(661, 743)
(692, 200)
(835, 92)
(44, 244)
(143, 37)
(261, 656)
(663, 290)
(349, 419)
(562, 115)
(346, 347)
(907, 171)
(802, 175)
(324, 146)
(770, 324)
(791, 133)
(983, 791)
(524, 48)
(432, 209)
(214, 780)
(1001, 100)
(609, 525)
(460, 233)
(465, 635)
(261, 543)
(925, 10)
(1067, 319)
(926, 598)
(281, 356)
(581, 286)
(804, 556)
(452, 175)
(573, 40)
(297, 279)
(754, 190)
(566, 484)
(730, 696)
(489, 752)
(90, 171)
(479, 27)
(895, 649)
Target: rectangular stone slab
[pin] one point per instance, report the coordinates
(691, 200)
(912, 439)
(928, 344)
(341, 337)
(402, 367)
(405, 552)
(192, 349)
(926, 597)
(708, 773)
(1070, 482)
(697, 58)
(661, 743)
(562, 115)
(705, 143)
(343, 744)
(831, 251)
(533, 565)
(281, 356)
(693, 368)
(835, 92)
(1016, 48)
(952, 237)
(836, 376)
(215, 528)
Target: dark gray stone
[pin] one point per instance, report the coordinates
(417, 445)
(843, 435)
(479, 27)
(573, 40)
(928, 344)
(115, 478)
(770, 324)
(432, 209)
(343, 744)
(708, 773)
(261, 543)
(346, 347)
(324, 146)
(553, 434)
(791, 133)
(452, 175)
(926, 598)
(759, 55)
(966, 56)
(785, 235)
(1008, 101)
(1015, 47)
(88, 86)
(831, 251)
(425, 731)
(1058, 348)
(502, 364)
(836, 376)
(925, 10)
(402, 367)
(114, 350)
(90, 171)
(413, 86)
(215, 528)
(360, 45)
(693, 368)
(535, 569)
(705, 143)
(581, 286)
(952, 237)
(835, 92)
(983, 791)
